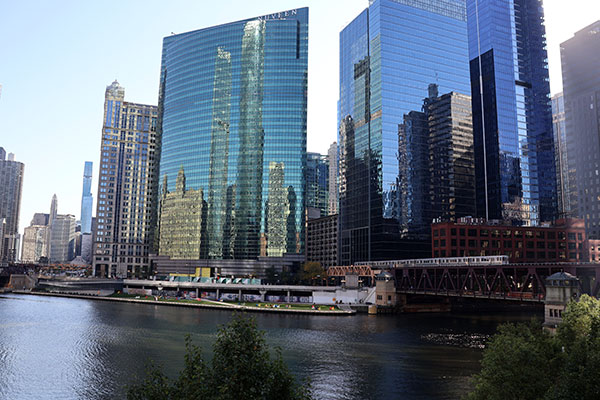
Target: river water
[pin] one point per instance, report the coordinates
(61, 348)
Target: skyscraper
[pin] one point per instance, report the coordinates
(333, 159)
(317, 182)
(516, 175)
(125, 183)
(580, 58)
(389, 55)
(87, 200)
(451, 159)
(11, 184)
(232, 130)
(62, 239)
(35, 243)
(560, 151)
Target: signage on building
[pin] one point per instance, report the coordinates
(278, 15)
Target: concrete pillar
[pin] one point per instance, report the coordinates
(287, 299)
(262, 295)
(217, 294)
(240, 295)
(197, 293)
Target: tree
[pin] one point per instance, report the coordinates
(241, 368)
(525, 362)
(312, 270)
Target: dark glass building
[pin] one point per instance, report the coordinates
(232, 132)
(580, 58)
(515, 169)
(317, 182)
(389, 55)
(451, 163)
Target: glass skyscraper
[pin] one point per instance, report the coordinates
(232, 133)
(389, 55)
(317, 182)
(87, 200)
(516, 174)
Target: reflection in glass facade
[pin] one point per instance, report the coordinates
(389, 55)
(560, 150)
(232, 130)
(317, 182)
(519, 146)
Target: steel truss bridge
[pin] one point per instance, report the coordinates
(517, 282)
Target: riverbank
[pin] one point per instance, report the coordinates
(196, 304)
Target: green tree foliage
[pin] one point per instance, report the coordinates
(241, 368)
(313, 272)
(525, 362)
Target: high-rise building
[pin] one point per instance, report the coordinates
(451, 159)
(317, 182)
(232, 132)
(62, 239)
(389, 55)
(333, 159)
(515, 169)
(125, 183)
(580, 58)
(560, 151)
(35, 243)
(87, 200)
(11, 184)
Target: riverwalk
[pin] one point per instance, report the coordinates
(198, 304)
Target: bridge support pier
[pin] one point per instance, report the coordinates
(240, 295)
(287, 298)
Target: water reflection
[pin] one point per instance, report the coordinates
(70, 348)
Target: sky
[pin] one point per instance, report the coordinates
(57, 57)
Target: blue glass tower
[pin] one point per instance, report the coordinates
(232, 134)
(87, 200)
(389, 55)
(512, 117)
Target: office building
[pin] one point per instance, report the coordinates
(580, 57)
(125, 182)
(560, 152)
(385, 73)
(11, 184)
(451, 159)
(62, 239)
(232, 130)
(322, 240)
(317, 182)
(35, 243)
(87, 200)
(564, 241)
(515, 169)
(333, 159)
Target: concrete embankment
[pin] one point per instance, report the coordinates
(212, 305)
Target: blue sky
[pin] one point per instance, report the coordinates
(57, 57)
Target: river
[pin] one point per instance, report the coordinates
(62, 348)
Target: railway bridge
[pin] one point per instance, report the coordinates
(490, 277)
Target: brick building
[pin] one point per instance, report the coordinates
(565, 241)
